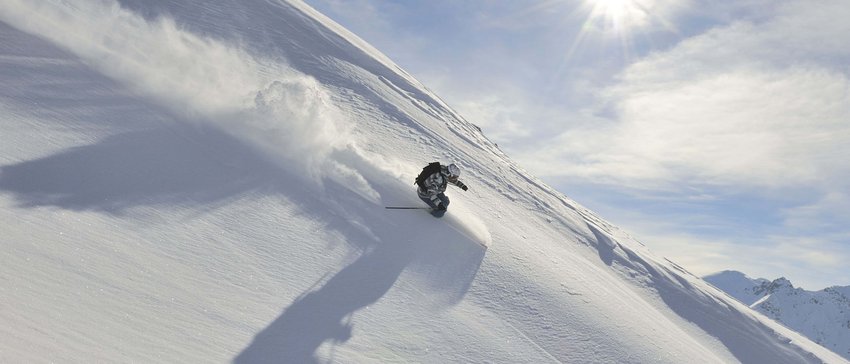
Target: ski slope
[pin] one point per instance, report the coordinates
(190, 181)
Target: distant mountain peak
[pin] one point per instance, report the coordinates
(780, 283)
(732, 273)
(739, 285)
(823, 316)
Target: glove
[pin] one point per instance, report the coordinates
(464, 188)
(441, 207)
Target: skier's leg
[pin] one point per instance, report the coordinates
(444, 200)
(428, 201)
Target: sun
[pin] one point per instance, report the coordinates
(621, 22)
(612, 31)
(616, 17)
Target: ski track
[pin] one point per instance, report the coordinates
(530, 340)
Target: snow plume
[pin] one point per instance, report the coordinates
(197, 76)
(292, 120)
(286, 115)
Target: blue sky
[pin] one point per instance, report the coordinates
(717, 134)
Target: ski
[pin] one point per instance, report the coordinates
(406, 208)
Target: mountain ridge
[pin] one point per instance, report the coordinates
(823, 316)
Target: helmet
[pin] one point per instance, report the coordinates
(452, 171)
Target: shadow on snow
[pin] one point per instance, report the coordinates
(441, 259)
(148, 159)
(747, 339)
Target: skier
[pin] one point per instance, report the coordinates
(432, 184)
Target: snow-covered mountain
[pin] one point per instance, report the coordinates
(823, 316)
(738, 285)
(194, 182)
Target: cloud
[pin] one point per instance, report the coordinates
(498, 118)
(749, 127)
(814, 252)
(758, 105)
(810, 262)
(828, 213)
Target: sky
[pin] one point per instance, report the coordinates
(715, 133)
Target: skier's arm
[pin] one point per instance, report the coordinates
(459, 184)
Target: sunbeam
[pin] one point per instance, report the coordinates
(621, 22)
(619, 16)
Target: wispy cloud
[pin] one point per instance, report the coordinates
(828, 213)
(748, 127)
(745, 105)
(804, 259)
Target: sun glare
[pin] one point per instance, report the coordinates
(618, 16)
(605, 25)
(622, 21)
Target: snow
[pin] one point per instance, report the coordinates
(823, 316)
(204, 182)
(738, 285)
